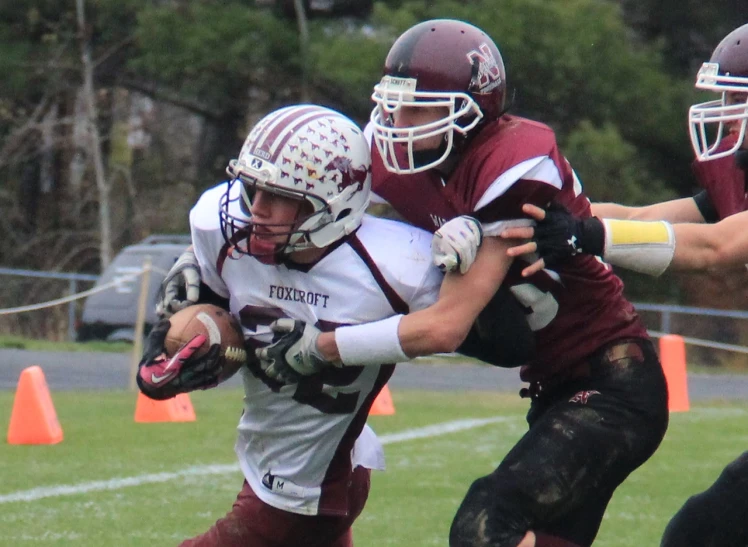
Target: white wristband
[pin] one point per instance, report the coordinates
(374, 343)
(645, 247)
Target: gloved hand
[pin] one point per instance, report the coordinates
(184, 277)
(455, 245)
(560, 235)
(294, 354)
(162, 377)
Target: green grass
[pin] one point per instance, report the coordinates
(411, 504)
(17, 342)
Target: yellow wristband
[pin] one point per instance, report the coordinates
(633, 232)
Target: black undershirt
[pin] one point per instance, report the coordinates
(706, 207)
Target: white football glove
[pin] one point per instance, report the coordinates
(184, 275)
(455, 245)
(294, 354)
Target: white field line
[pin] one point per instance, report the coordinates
(43, 492)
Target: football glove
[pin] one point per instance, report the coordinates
(455, 245)
(183, 280)
(162, 377)
(560, 235)
(294, 354)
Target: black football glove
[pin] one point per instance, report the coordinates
(162, 377)
(293, 353)
(560, 235)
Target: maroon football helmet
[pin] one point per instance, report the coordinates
(439, 63)
(725, 73)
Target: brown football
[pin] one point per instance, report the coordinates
(218, 326)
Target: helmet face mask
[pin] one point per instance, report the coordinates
(726, 73)
(442, 63)
(306, 153)
(267, 241)
(390, 96)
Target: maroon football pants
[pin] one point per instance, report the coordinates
(254, 523)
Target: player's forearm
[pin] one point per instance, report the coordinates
(440, 328)
(400, 338)
(677, 210)
(703, 247)
(613, 210)
(443, 327)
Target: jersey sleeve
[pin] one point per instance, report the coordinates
(426, 292)
(536, 181)
(403, 256)
(207, 240)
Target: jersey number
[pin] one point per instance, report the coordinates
(542, 306)
(311, 390)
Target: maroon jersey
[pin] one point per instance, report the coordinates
(574, 309)
(724, 182)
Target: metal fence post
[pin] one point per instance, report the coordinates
(137, 346)
(665, 321)
(73, 286)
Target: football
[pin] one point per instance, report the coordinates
(218, 326)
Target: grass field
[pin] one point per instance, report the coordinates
(113, 482)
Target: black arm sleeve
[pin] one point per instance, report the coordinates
(501, 335)
(706, 207)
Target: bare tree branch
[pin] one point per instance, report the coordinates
(114, 49)
(171, 97)
(16, 137)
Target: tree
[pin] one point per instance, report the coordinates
(102, 181)
(688, 30)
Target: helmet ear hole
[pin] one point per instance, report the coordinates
(342, 214)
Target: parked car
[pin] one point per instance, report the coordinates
(111, 315)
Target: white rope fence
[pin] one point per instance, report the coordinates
(116, 283)
(144, 274)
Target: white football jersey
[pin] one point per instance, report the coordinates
(298, 444)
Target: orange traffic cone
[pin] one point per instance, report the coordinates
(383, 405)
(33, 419)
(673, 359)
(176, 409)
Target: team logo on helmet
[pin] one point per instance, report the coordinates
(489, 73)
(349, 174)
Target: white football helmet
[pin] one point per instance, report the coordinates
(726, 71)
(304, 152)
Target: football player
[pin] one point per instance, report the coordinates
(721, 168)
(287, 238)
(286, 247)
(447, 157)
(717, 515)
